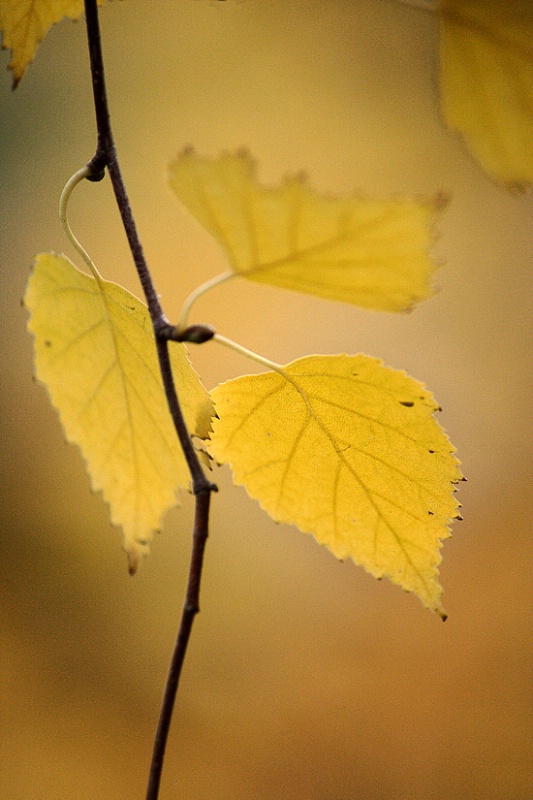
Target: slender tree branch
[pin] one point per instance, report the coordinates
(106, 156)
(190, 609)
(199, 481)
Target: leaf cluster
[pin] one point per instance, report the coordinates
(341, 446)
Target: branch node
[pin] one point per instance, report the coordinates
(197, 334)
(165, 331)
(194, 334)
(97, 166)
(206, 488)
(95, 175)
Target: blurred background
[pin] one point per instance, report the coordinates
(306, 679)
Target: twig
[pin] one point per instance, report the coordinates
(106, 156)
(190, 609)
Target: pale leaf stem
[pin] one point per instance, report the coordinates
(243, 351)
(197, 293)
(70, 185)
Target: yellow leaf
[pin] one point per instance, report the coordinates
(487, 82)
(25, 23)
(373, 253)
(95, 353)
(348, 450)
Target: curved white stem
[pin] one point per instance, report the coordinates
(198, 292)
(70, 185)
(243, 351)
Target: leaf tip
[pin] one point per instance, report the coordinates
(135, 553)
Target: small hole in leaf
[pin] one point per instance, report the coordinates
(407, 403)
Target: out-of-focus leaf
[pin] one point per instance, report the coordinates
(373, 253)
(487, 82)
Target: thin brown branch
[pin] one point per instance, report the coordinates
(190, 609)
(106, 157)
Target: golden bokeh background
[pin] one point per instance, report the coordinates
(306, 679)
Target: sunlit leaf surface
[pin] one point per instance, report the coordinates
(350, 451)
(95, 353)
(25, 23)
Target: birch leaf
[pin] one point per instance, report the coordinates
(487, 82)
(373, 253)
(95, 353)
(348, 450)
(25, 23)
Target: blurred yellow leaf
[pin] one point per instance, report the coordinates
(348, 450)
(25, 23)
(373, 253)
(487, 82)
(95, 353)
